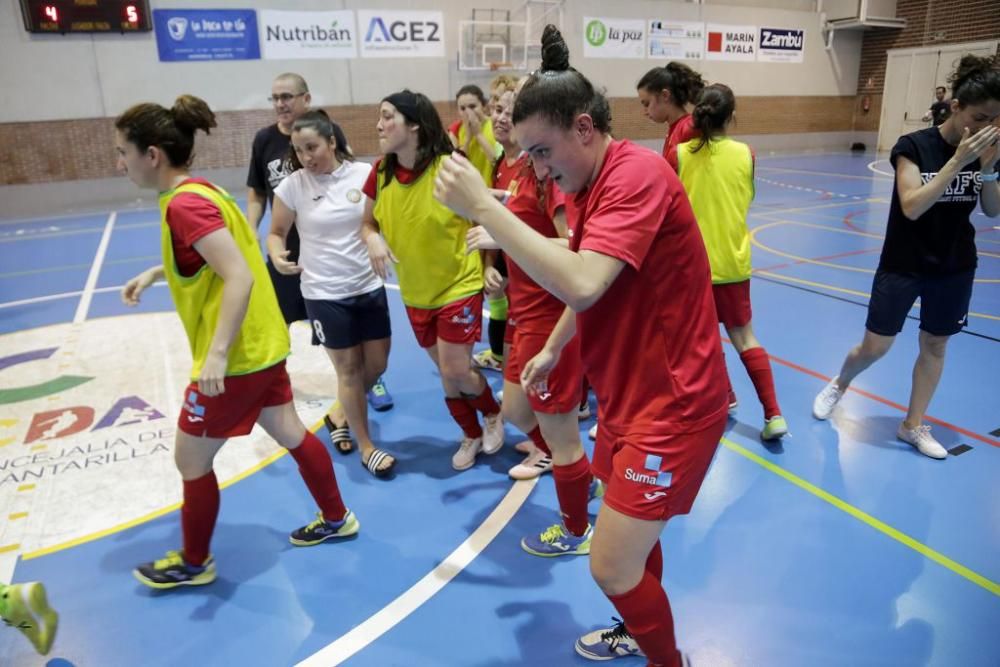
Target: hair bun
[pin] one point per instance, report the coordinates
(555, 53)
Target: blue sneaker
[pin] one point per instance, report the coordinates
(173, 571)
(608, 643)
(557, 541)
(596, 489)
(321, 530)
(379, 397)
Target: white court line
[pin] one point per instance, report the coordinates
(95, 270)
(422, 591)
(872, 168)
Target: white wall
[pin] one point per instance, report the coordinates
(48, 77)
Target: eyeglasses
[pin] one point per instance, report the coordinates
(284, 97)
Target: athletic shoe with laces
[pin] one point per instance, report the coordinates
(592, 433)
(596, 489)
(774, 428)
(557, 541)
(609, 643)
(733, 402)
(921, 438)
(172, 571)
(379, 397)
(535, 465)
(321, 530)
(26, 607)
(493, 434)
(466, 454)
(487, 361)
(827, 400)
(583, 412)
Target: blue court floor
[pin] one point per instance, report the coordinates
(840, 546)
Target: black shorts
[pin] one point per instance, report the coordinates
(944, 302)
(289, 292)
(349, 322)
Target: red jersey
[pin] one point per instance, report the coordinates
(650, 344)
(191, 218)
(681, 130)
(504, 174)
(533, 308)
(402, 174)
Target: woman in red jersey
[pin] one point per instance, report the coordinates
(637, 276)
(665, 93)
(220, 286)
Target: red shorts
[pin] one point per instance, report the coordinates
(459, 322)
(732, 303)
(564, 381)
(234, 411)
(508, 332)
(654, 477)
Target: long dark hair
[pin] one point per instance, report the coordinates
(171, 130)
(683, 82)
(976, 80)
(559, 93)
(318, 121)
(472, 89)
(712, 111)
(432, 140)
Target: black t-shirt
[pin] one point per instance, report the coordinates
(269, 164)
(942, 240)
(940, 112)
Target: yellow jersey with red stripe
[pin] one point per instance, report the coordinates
(262, 340)
(718, 179)
(428, 240)
(477, 156)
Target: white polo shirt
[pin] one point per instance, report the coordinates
(328, 211)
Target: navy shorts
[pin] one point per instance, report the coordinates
(349, 322)
(288, 289)
(944, 302)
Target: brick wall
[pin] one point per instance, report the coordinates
(928, 23)
(84, 149)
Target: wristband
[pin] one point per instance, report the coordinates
(990, 178)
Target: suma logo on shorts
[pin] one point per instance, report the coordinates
(652, 475)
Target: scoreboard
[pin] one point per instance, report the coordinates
(66, 16)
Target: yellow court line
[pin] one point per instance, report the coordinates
(832, 265)
(9, 547)
(17, 515)
(823, 173)
(780, 277)
(26, 487)
(864, 517)
(156, 514)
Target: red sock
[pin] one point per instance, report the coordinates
(198, 514)
(536, 437)
(654, 562)
(646, 612)
(573, 491)
(465, 415)
(485, 402)
(759, 367)
(316, 469)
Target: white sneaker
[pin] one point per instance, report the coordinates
(592, 433)
(827, 400)
(492, 433)
(583, 412)
(921, 438)
(535, 465)
(466, 454)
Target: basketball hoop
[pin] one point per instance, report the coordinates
(495, 66)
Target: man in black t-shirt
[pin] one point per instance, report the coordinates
(940, 109)
(268, 166)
